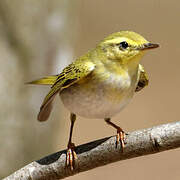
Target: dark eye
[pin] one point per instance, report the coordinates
(123, 45)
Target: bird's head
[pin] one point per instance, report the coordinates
(125, 46)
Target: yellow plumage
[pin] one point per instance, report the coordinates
(49, 80)
(101, 82)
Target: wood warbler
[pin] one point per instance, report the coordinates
(100, 83)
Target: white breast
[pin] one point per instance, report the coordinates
(99, 100)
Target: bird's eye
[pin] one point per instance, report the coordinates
(123, 45)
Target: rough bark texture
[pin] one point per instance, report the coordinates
(102, 152)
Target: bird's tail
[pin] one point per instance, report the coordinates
(46, 108)
(49, 80)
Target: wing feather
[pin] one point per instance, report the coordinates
(143, 79)
(70, 75)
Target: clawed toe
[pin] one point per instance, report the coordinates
(120, 138)
(71, 156)
(120, 133)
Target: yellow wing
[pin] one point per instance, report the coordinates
(143, 79)
(48, 80)
(70, 75)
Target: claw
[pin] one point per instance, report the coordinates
(120, 138)
(120, 133)
(71, 156)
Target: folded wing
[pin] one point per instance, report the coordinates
(70, 75)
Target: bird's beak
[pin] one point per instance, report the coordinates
(147, 46)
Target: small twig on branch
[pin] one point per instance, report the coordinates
(102, 152)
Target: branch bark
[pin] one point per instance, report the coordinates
(102, 152)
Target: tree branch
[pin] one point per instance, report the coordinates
(102, 152)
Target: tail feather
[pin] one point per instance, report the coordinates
(49, 80)
(47, 105)
(45, 112)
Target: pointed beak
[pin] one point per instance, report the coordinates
(147, 46)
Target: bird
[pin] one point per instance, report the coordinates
(99, 84)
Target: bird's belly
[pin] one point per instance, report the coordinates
(97, 100)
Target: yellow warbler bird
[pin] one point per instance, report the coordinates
(100, 83)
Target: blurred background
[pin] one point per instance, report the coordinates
(39, 38)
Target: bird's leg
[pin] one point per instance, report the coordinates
(120, 133)
(71, 154)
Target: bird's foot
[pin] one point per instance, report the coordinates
(71, 156)
(120, 137)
